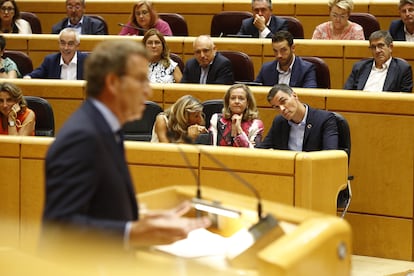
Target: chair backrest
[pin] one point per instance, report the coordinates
(45, 120)
(227, 22)
(177, 23)
(210, 107)
(179, 60)
(141, 130)
(22, 60)
(323, 76)
(33, 20)
(243, 68)
(295, 27)
(100, 18)
(367, 21)
(344, 134)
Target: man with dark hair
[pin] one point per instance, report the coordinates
(263, 23)
(88, 186)
(403, 29)
(299, 127)
(287, 67)
(382, 72)
(76, 19)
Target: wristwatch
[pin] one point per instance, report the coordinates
(2, 70)
(12, 123)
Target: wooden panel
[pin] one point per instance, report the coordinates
(385, 237)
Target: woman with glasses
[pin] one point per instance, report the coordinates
(143, 18)
(161, 69)
(182, 122)
(339, 27)
(10, 21)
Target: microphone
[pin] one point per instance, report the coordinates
(132, 27)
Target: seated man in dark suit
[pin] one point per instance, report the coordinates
(403, 29)
(287, 67)
(299, 127)
(263, 23)
(382, 72)
(67, 64)
(208, 66)
(82, 23)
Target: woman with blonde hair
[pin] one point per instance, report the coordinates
(161, 69)
(238, 125)
(15, 117)
(183, 122)
(144, 17)
(339, 27)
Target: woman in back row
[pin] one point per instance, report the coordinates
(339, 27)
(144, 17)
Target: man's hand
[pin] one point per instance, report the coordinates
(165, 227)
(259, 22)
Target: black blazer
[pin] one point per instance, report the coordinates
(303, 74)
(321, 132)
(90, 26)
(399, 76)
(51, 69)
(220, 71)
(87, 179)
(397, 30)
(276, 24)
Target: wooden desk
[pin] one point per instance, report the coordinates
(338, 55)
(199, 14)
(298, 179)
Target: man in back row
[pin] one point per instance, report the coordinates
(76, 19)
(208, 66)
(403, 29)
(287, 68)
(382, 72)
(263, 24)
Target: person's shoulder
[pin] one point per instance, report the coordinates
(397, 23)
(401, 62)
(88, 20)
(247, 21)
(221, 58)
(82, 55)
(303, 63)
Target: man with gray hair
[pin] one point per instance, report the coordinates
(403, 29)
(382, 72)
(67, 64)
(263, 24)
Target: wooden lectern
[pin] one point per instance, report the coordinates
(304, 241)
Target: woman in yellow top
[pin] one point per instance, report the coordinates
(15, 117)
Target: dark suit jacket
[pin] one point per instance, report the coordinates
(321, 132)
(399, 76)
(51, 69)
(303, 74)
(276, 24)
(87, 178)
(397, 30)
(90, 26)
(220, 72)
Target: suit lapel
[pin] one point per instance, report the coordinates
(391, 73)
(365, 71)
(308, 127)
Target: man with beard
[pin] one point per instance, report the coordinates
(403, 29)
(382, 72)
(287, 68)
(76, 19)
(67, 64)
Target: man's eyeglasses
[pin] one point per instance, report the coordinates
(76, 7)
(143, 13)
(69, 43)
(6, 9)
(380, 46)
(339, 16)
